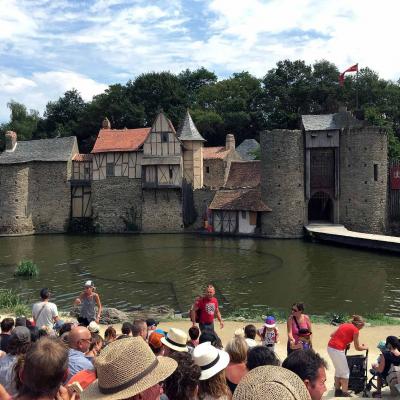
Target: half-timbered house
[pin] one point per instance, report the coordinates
(237, 208)
(116, 179)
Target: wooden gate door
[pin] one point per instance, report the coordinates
(81, 198)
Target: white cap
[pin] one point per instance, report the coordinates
(89, 283)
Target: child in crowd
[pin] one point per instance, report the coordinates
(96, 345)
(382, 347)
(269, 333)
(250, 332)
(194, 333)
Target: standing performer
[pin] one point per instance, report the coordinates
(205, 309)
(88, 300)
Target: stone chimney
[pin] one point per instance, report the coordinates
(106, 123)
(230, 142)
(11, 140)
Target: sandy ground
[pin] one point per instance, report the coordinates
(321, 333)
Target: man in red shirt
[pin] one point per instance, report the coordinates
(205, 309)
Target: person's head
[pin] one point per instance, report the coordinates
(175, 340)
(271, 382)
(250, 331)
(151, 324)
(310, 367)
(297, 309)
(20, 321)
(270, 322)
(183, 383)
(155, 342)
(261, 355)
(139, 328)
(7, 324)
(392, 342)
(358, 321)
(129, 360)
(209, 335)
(66, 327)
(20, 340)
(210, 291)
(93, 327)
(79, 338)
(212, 363)
(194, 332)
(44, 293)
(126, 328)
(110, 334)
(237, 349)
(97, 343)
(88, 287)
(44, 369)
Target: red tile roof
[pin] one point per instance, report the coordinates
(82, 157)
(239, 200)
(215, 152)
(120, 139)
(244, 174)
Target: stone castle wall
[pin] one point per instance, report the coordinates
(117, 204)
(34, 198)
(202, 199)
(282, 183)
(162, 210)
(363, 200)
(215, 177)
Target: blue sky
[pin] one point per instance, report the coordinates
(50, 46)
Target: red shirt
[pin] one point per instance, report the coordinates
(208, 308)
(343, 336)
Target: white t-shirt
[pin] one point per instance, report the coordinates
(46, 316)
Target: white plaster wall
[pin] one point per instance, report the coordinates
(244, 223)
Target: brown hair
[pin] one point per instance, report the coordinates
(237, 349)
(43, 369)
(110, 333)
(215, 386)
(357, 320)
(299, 306)
(96, 339)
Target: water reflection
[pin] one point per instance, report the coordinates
(144, 270)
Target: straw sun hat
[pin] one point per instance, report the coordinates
(125, 368)
(270, 382)
(176, 339)
(209, 359)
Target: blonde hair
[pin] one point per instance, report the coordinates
(237, 349)
(215, 386)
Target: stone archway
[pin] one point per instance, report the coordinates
(320, 208)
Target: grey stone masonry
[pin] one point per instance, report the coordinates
(162, 211)
(117, 205)
(202, 199)
(34, 198)
(363, 180)
(282, 183)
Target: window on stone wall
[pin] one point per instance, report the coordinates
(170, 172)
(243, 214)
(375, 172)
(110, 169)
(207, 170)
(164, 137)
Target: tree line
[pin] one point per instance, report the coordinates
(241, 104)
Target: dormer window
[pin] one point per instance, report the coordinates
(164, 137)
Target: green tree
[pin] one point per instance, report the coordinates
(22, 121)
(157, 91)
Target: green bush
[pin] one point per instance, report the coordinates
(27, 268)
(21, 310)
(9, 299)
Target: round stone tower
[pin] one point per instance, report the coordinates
(282, 183)
(363, 179)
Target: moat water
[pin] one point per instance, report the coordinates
(251, 274)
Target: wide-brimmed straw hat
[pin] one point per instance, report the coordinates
(270, 382)
(210, 360)
(125, 368)
(175, 340)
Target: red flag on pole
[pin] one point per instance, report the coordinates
(353, 68)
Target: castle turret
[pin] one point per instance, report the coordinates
(193, 152)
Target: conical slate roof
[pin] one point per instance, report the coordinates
(188, 130)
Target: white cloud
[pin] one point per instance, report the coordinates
(115, 40)
(40, 88)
